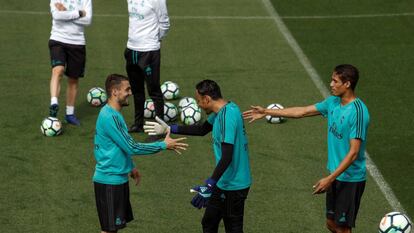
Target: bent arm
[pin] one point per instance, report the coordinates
(62, 15)
(349, 158)
(87, 19)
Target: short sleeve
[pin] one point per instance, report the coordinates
(211, 118)
(323, 106)
(229, 126)
(358, 124)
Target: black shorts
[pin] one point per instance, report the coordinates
(342, 202)
(113, 205)
(73, 57)
(226, 205)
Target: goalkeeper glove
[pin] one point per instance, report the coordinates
(203, 193)
(156, 128)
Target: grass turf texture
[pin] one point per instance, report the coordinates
(46, 182)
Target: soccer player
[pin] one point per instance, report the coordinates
(113, 150)
(225, 191)
(67, 51)
(348, 120)
(148, 25)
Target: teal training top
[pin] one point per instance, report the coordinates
(228, 127)
(345, 123)
(114, 148)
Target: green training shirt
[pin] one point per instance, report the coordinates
(228, 127)
(345, 123)
(114, 148)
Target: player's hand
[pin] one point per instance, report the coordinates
(255, 113)
(82, 13)
(175, 144)
(156, 128)
(203, 194)
(135, 175)
(60, 6)
(322, 185)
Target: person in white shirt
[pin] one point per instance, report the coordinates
(148, 25)
(67, 51)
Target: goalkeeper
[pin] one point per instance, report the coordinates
(225, 191)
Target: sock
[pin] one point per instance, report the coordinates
(53, 100)
(70, 110)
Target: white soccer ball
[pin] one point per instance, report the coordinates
(149, 109)
(191, 115)
(272, 119)
(170, 90)
(395, 222)
(51, 126)
(185, 101)
(96, 96)
(170, 112)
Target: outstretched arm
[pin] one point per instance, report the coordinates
(120, 136)
(258, 112)
(160, 127)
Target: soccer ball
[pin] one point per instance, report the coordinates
(190, 115)
(184, 102)
(395, 222)
(272, 119)
(96, 96)
(170, 90)
(51, 126)
(170, 112)
(149, 109)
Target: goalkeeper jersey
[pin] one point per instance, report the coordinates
(345, 123)
(228, 127)
(67, 26)
(114, 148)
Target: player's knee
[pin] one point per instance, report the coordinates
(73, 81)
(58, 71)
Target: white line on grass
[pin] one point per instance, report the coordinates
(232, 17)
(372, 168)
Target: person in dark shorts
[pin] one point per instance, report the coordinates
(113, 150)
(67, 51)
(148, 25)
(348, 120)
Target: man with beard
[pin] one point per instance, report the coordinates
(113, 150)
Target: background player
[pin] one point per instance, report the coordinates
(148, 25)
(67, 51)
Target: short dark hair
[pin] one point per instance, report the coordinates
(347, 73)
(112, 81)
(210, 88)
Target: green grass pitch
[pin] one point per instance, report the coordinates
(45, 183)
